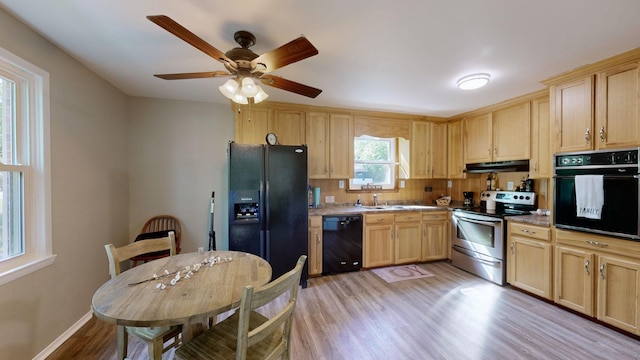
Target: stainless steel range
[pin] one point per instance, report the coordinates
(478, 234)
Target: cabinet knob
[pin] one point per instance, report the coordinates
(587, 135)
(586, 267)
(512, 248)
(602, 135)
(602, 271)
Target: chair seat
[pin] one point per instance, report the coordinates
(220, 341)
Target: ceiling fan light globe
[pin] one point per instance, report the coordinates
(239, 98)
(260, 96)
(229, 88)
(248, 87)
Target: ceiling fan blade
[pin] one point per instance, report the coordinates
(178, 30)
(296, 50)
(198, 75)
(289, 85)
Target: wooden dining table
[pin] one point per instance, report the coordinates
(136, 298)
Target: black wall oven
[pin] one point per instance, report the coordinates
(619, 214)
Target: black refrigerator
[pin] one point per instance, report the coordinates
(268, 204)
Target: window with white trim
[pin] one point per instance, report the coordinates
(374, 163)
(25, 219)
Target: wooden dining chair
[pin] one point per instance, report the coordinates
(155, 337)
(248, 334)
(156, 227)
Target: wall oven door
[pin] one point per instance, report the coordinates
(619, 216)
(478, 246)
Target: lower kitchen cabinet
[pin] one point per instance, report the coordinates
(314, 260)
(408, 242)
(378, 245)
(529, 259)
(435, 236)
(599, 276)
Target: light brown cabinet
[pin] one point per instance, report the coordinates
(573, 122)
(289, 126)
(378, 245)
(540, 164)
(455, 154)
(618, 107)
(498, 136)
(599, 276)
(529, 259)
(408, 242)
(435, 236)
(252, 124)
(314, 260)
(428, 150)
(330, 145)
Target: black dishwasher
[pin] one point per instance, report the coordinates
(341, 243)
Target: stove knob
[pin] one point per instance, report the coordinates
(528, 197)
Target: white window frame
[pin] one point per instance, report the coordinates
(392, 162)
(32, 99)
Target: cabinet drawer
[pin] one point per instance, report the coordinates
(378, 219)
(597, 242)
(315, 221)
(532, 231)
(435, 215)
(407, 217)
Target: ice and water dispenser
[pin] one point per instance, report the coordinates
(246, 206)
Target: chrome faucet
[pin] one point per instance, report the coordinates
(375, 199)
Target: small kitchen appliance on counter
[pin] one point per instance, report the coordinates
(478, 234)
(468, 199)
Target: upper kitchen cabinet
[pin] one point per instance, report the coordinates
(252, 124)
(597, 106)
(541, 157)
(330, 141)
(455, 168)
(289, 125)
(500, 135)
(573, 115)
(428, 150)
(617, 107)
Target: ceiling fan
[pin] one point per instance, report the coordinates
(243, 64)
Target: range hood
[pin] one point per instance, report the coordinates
(498, 166)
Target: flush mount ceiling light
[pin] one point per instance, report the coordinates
(473, 81)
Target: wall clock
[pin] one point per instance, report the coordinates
(272, 139)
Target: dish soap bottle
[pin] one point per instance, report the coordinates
(310, 196)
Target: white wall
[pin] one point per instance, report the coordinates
(89, 193)
(178, 156)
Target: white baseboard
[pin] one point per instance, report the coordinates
(63, 337)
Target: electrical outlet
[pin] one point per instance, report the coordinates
(340, 184)
(509, 185)
(329, 199)
(200, 249)
(449, 183)
(401, 184)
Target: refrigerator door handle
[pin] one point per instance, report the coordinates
(267, 245)
(263, 247)
(265, 210)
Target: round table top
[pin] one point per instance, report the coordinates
(209, 291)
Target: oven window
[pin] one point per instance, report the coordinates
(476, 233)
(619, 213)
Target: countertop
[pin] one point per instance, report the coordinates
(540, 220)
(353, 210)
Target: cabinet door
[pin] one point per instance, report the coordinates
(378, 245)
(317, 136)
(439, 150)
(315, 245)
(341, 146)
(252, 124)
(529, 265)
(289, 125)
(573, 115)
(618, 291)
(511, 128)
(420, 150)
(541, 156)
(574, 279)
(618, 104)
(434, 240)
(408, 243)
(478, 139)
(455, 154)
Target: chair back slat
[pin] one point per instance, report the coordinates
(164, 222)
(117, 255)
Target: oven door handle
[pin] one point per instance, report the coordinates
(471, 254)
(480, 222)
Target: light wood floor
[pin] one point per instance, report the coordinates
(453, 315)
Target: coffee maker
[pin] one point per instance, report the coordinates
(468, 198)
